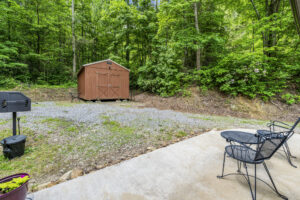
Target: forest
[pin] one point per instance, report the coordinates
(237, 47)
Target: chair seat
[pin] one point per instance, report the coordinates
(242, 153)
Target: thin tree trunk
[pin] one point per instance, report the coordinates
(295, 5)
(198, 56)
(38, 32)
(73, 38)
(8, 21)
(127, 44)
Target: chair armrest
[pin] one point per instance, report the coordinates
(278, 124)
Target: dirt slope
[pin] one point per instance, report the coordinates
(210, 102)
(214, 103)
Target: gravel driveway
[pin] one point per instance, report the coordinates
(63, 135)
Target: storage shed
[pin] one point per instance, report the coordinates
(104, 79)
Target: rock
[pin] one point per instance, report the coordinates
(150, 148)
(76, 173)
(65, 177)
(45, 185)
(123, 158)
(99, 166)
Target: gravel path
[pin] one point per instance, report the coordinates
(145, 119)
(62, 136)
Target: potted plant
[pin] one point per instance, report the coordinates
(14, 187)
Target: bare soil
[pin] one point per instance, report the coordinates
(210, 102)
(214, 103)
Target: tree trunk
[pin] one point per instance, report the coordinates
(127, 44)
(198, 56)
(73, 38)
(38, 31)
(295, 4)
(8, 21)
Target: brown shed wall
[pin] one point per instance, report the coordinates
(81, 84)
(104, 81)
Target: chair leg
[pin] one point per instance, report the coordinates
(223, 166)
(255, 181)
(288, 149)
(239, 166)
(288, 154)
(249, 183)
(268, 172)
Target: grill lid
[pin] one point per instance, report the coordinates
(14, 102)
(13, 139)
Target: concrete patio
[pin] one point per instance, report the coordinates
(183, 171)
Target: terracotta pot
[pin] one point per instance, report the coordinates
(18, 193)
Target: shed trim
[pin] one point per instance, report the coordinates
(85, 65)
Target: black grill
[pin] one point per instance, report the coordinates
(14, 102)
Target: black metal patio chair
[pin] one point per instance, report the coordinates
(263, 150)
(275, 128)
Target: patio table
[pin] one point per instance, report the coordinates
(240, 136)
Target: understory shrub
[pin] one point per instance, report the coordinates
(7, 82)
(162, 76)
(290, 98)
(249, 74)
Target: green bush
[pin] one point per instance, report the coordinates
(7, 82)
(249, 74)
(290, 98)
(162, 76)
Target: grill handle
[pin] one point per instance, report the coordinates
(5, 103)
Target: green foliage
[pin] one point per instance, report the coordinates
(243, 51)
(7, 82)
(290, 98)
(13, 184)
(161, 76)
(249, 74)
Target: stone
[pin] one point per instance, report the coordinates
(99, 166)
(65, 177)
(76, 173)
(150, 148)
(45, 185)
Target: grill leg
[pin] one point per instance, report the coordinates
(223, 166)
(249, 183)
(14, 123)
(268, 172)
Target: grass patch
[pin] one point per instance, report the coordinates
(115, 127)
(34, 161)
(57, 122)
(3, 121)
(64, 104)
(61, 126)
(120, 135)
(38, 105)
(181, 134)
(39, 158)
(254, 122)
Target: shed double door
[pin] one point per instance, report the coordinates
(108, 85)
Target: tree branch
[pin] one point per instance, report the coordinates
(256, 11)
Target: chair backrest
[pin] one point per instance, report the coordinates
(269, 145)
(296, 123)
